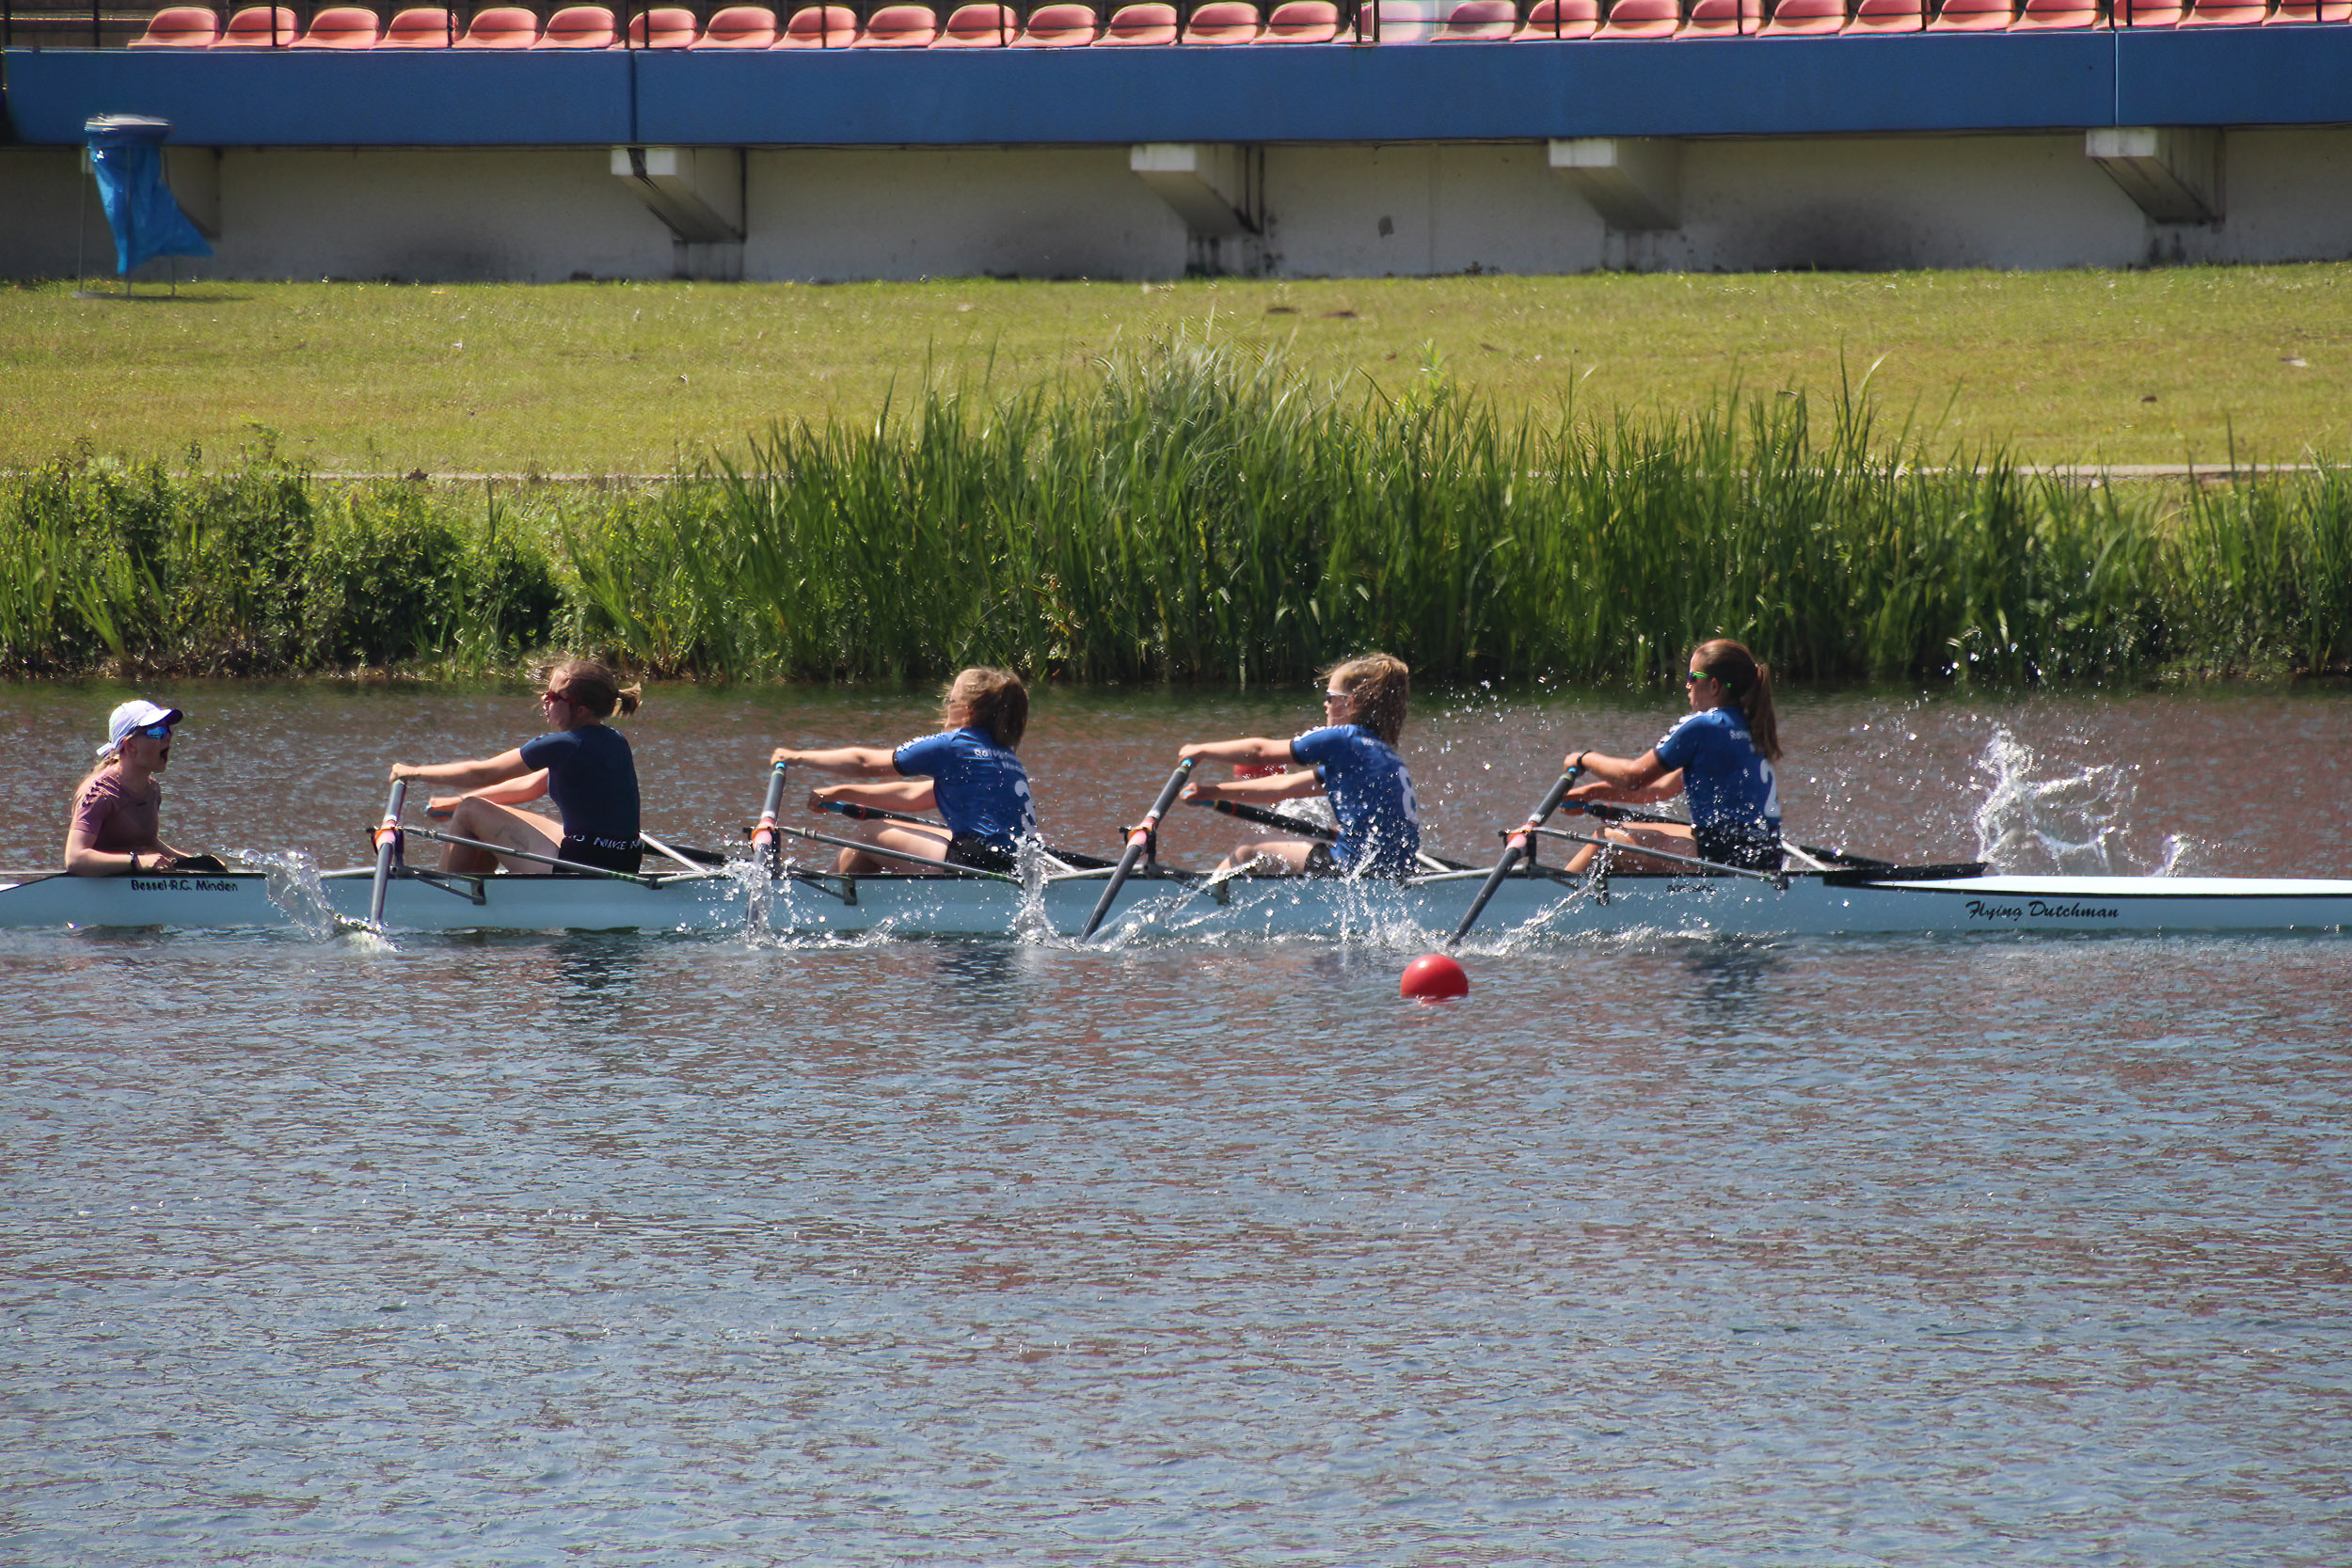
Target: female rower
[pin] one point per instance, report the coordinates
(1352, 759)
(582, 764)
(1722, 756)
(118, 808)
(968, 774)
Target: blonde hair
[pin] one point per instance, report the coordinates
(586, 683)
(992, 700)
(1749, 680)
(1377, 687)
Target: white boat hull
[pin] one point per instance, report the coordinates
(930, 906)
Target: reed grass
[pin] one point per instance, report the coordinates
(1202, 512)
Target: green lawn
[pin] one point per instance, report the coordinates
(2121, 367)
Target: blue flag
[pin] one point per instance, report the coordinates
(126, 152)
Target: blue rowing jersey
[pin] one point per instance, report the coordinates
(1371, 795)
(592, 777)
(1729, 782)
(981, 788)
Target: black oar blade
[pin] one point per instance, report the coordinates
(1511, 852)
(1137, 838)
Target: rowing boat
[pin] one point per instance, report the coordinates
(1931, 899)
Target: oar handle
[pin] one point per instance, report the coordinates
(857, 813)
(1512, 848)
(387, 850)
(764, 835)
(1138, 839)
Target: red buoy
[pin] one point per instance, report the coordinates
(1433, 976)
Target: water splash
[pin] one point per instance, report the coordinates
(2035, 818)
(295, 887)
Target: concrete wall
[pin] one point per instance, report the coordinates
(546, 215)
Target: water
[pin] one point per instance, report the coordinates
(553, 1249)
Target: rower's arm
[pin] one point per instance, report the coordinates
(514, 792)
(1632, 779)
(467, 776)
(899, 795)
(1285, 787)
(1255, 750)
(859, 762)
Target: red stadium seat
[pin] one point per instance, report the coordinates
(899, 27)
(979, 28)
(579, 27)
(1553, 20)
(1973, 16)
(664, 27)
(1479, 21)
(2147, 13)
(1807, 19)
(2226, 13)
(1060, 26)
(1223, 22)
(738, 27)
(502, 27)
(2302, 13)
(1724, 19)
(1890, 16)
(342, 27)
(419, 27)
(1642, 19)
(259, 27)
(819, 27)
(1302, 22)
(2051, 16)
(1148, 22)
(180, 27)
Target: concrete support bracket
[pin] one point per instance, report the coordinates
(1215, 187)
(697, 191)
(1634, 183)
(2173, 172)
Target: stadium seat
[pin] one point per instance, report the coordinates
(502, 27)
(1973, 16)
(2147, 13)
(579, 27)
(1556, 21)
(738, 27)
(1641, 19)
(1302, 22)
(259, 27)
(1724, 19)
(664, 27)
(1223, 21)
(1148, 22)
(819, 27)
(2051, 16)
(1807, 19)
(899, 27)
(979, 28)
(2302, 13)
(2226, 13)
(1479, 21)
(419, 27)
(1891, 16)
(342, 27)
(180, 27)
(1060, 26)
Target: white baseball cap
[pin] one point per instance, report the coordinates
(137, 714)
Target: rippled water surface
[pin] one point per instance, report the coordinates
(584, 1248)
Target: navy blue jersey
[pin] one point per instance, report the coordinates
(593, 781)
(1371, 795)
(982, 789)
(1729, 782)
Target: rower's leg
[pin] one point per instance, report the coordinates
(1673, 838)
(906, 837)
(1274, 857)
(501, 825)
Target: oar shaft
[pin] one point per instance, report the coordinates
(1138, 839)
(387, 850)
(941, 868)
(856, 813)
(1511, 853)
(1266, 819)
(764, 836)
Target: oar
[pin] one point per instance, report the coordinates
(1608, 812)
(1512, 850)
(387, 847)
(856, 813)
(1137, 837)
(764, 836)
(1283, 822)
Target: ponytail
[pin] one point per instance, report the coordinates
(1749, 680)
(585, 683)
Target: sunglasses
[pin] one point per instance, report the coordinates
(155, 732)
(1693, 677)
(1330, 697)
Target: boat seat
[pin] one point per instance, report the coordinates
(502, 27)
(1479, 21)
(579, 27)
(1302, 22)
(1559, 21)
(738, 27)
(1223, 22)
(664, 27)
(260, 27)
(1147, 23)
(899, 27)
(180, 27)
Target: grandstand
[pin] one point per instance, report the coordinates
(1150, 138)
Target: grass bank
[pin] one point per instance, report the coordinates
(2121, 367)
(1199, 513)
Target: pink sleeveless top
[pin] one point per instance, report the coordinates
(112, 820)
